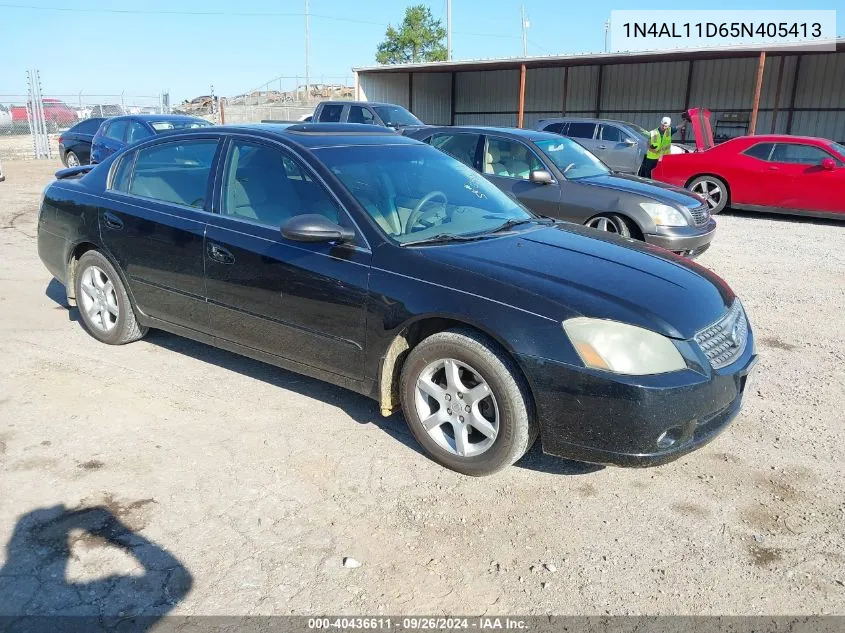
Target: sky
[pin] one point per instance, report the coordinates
(109, 47)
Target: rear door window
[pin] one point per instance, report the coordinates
(136, 132)
(116, 130)
(174, 172)
(579, 129)
(331, 113)
(460, 146)
(760, 150)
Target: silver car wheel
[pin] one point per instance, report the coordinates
(99, 299)
(72, 160)
(604, 224)
(709, 190)
(457, 407)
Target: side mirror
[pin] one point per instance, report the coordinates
(629, 142)
(315, 228)
(541, 177)
(829, 164)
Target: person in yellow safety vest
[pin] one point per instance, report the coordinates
(660, 143)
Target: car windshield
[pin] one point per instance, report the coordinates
(573, 160)
(165, 126)
(415, 192)
(394, 115)
(641, 130)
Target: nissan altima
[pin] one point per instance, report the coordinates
(378, 263)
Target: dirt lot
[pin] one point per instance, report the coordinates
(239, 487)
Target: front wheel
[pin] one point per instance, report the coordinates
(103, 302)
(713, 190)
(611, 223)
(465, 401)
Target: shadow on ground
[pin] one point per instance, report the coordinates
(35, 594)
(360, 408)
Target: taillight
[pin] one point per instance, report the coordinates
(61, 140)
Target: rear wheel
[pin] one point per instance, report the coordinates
(713, 190)
(466, 403)
(71, 160)
(610, 223)
(103, 303)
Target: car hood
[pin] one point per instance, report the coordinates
(658, 191)
(569, 270)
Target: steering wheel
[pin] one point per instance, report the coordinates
(418, 212)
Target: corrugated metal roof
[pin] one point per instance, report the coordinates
(575, 59)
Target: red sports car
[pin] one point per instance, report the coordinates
(774, 173)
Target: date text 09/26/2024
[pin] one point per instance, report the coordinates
(723, 29)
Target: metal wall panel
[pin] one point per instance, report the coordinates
(491, 91)
(658, 86)
(388, 87)
(823, 124)
(821, 81)
(581, 90)
(723, 84)
(432, 98)
(544, 89)
(498, 120)
(646, 120)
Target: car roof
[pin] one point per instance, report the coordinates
(512, 132)
(369, 103)
(585, 119)
(316, 135)
(785, 138)
(156, 117)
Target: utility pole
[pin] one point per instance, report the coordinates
(606, 31)
(307, 50)
(449, 30)
(525, 25)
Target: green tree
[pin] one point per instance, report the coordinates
(420, 38)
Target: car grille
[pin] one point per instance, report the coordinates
(700, 215)
(725, 340)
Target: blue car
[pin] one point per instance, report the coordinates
(118, 132)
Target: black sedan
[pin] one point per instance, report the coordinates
(380, 264)
(556, 177)
(75, 144)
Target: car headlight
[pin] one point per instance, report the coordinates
(622, 348)
(663, 214)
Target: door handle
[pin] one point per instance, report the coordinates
(220, 254)
(112, 221)
(773, 168)
(602, 146)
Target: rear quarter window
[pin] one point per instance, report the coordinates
(121, 173)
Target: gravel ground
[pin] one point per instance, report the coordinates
(168, 476)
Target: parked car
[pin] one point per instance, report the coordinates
(619, 144)
(5, 119)
(776, 173)
(556, 177)
(57, 115)
(75, 144)
(107, 110)
(384, 114)
(118, 132)
(380, 264)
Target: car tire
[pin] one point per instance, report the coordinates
(71, 160)
(103, 303)
(610, 223)
(713, 189)
(502, 406)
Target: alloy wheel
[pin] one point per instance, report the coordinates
(457, 408)
(709, 190)
(603, 223)
(99, 299)
(72, 160)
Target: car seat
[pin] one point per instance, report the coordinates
(493, 161)
(517, 165)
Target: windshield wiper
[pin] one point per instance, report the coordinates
(512, 223)
(443, 238)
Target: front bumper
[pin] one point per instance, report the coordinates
(633, 421)
(687, 240)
